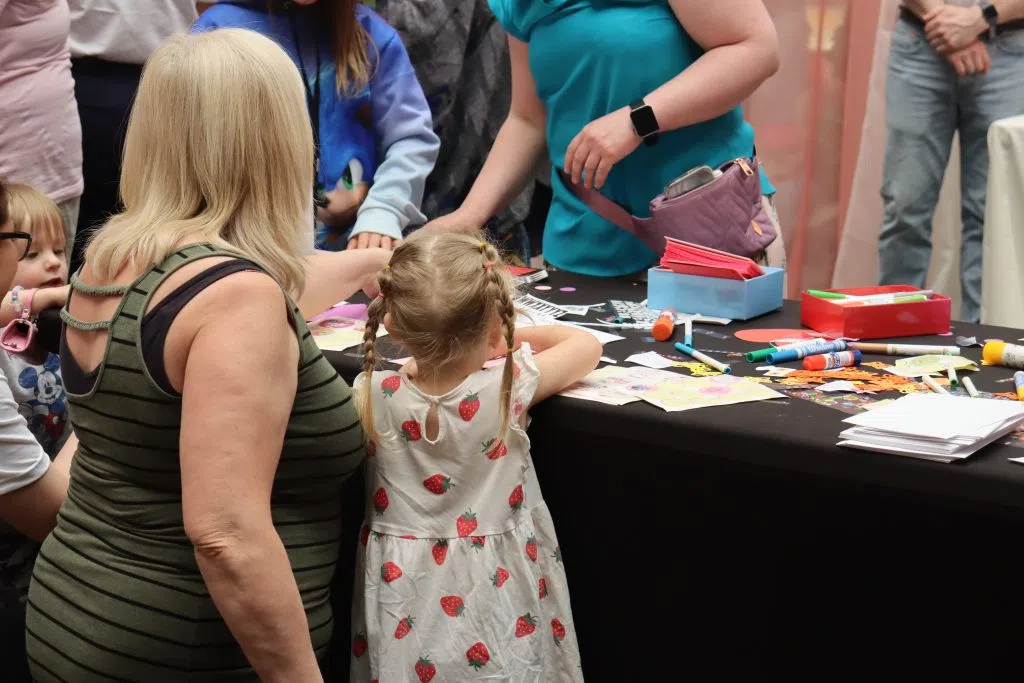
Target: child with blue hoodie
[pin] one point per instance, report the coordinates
(371, 123)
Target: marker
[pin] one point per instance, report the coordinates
(933, 385)
(704, 358)
(906, 299)
(905, 349)
(1018, 383)
(969, 386)
(825, 295)
(802, 351)
(893, 295)
(688, 332)
(761, 354)
(951, 374)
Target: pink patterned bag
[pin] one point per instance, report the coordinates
(725, 214)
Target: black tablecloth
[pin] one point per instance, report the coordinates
(740, 539)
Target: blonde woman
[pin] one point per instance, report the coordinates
(199, 537)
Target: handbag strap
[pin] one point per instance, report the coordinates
(602, 206)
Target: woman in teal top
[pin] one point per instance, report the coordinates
(577, 67)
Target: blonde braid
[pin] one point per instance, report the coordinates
(500, 292)
(374, 317)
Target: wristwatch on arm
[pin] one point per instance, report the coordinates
(991, 16)
(644, 122)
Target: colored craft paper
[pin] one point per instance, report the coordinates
(615, 385)
(767, 336)
(543, 288)
(702, 392)
(344, 310)
(337, 333)
(915, 366)
(852, 404)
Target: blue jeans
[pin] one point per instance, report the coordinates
(926, 103)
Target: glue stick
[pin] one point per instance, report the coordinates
(664, 326)
(1001, 353)
(830, 361)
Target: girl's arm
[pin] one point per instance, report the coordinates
(562, 354)
(404, 130)
(47, 297)
(512, 162)
(233, 423)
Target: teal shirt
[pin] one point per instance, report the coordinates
(589, 58)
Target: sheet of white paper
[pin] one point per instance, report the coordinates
(651, 359)
(840, 385)
(1019, 461)
(606, 359)
(573, 309)
(535, 319)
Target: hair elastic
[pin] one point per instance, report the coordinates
(387, 266)
(488, 265)
(482, 247)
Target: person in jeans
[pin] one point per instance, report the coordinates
(950, 69)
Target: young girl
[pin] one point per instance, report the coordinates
(40, 283)
(362, 96)
(462, 578)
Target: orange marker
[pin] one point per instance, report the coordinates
(664, 326)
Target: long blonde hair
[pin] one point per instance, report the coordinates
(443, 292)
(219, 149)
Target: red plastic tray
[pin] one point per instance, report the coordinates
(912, 319)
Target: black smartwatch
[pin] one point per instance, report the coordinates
(644, 122)
(991, 15)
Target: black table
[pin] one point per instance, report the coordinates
(741, 540)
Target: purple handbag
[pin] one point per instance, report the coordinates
(725, 214)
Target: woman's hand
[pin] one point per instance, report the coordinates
(599, 146)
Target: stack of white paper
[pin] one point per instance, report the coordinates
(933, 426)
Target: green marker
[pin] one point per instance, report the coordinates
(825, 295)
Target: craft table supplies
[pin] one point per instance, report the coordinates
(1018, 384)
(688, 332)
(761, 354)
(830, 361)
(969, 386)
(951, 374)
(889, 298)
(665, 326)
(933, 385)
(1001, 353)
(703, 358)
(802, 351)
(906, 349)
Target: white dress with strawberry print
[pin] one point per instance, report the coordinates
(460, 576)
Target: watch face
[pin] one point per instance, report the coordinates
(644, 121)
(989, 11)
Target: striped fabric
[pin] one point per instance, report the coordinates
(116, 594)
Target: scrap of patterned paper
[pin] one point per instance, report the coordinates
(703, 392)
(915, 366)
(615, 385)
(337, 333)
(847, 403)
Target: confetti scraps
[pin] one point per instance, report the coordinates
(967, 341)
(699, 369)
(710, 333)
(759, 380)
(566, 289)
(945, 334)
(543, 288)
(1009, 396)
(877, 365)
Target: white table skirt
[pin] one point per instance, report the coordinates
(1003, 272)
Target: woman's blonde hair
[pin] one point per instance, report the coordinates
(219, 149)
(33, 212)
(443, 293)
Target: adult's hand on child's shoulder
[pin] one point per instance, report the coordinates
(373, 240)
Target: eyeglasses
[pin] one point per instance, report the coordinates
(18, 235)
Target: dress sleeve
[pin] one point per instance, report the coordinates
(505, 12)
(22, 459)
(529, 376)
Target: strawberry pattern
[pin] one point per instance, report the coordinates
(460, 575)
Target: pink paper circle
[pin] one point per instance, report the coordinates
(766, 336)
(543, 288)
(945, 334)
(567, 289)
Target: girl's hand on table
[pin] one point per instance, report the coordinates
(601, 144)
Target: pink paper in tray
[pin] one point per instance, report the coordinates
(351, 311)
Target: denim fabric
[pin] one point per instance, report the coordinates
(926, 103)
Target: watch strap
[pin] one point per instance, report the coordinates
(651, 137)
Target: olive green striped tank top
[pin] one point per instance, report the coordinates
(116, 593)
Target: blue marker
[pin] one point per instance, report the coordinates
(704, 358)
(787, 355)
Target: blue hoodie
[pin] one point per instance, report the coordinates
(386, 128)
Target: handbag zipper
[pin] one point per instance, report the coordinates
(745, 166)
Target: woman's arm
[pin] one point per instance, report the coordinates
(741, 52)
(512, 162)
(333, 276)
(562, 354)
(239, 387)
(405, 131)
